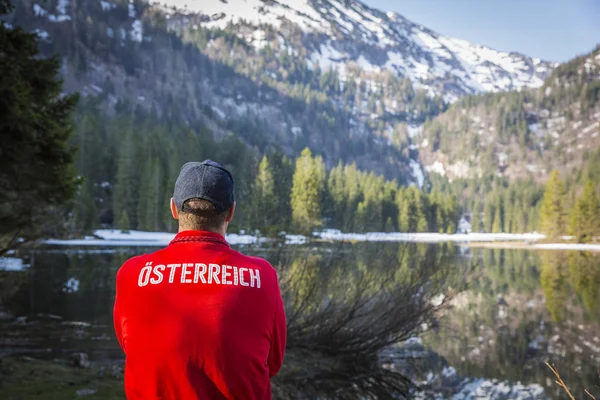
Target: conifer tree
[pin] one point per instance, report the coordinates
(353, 195)
(488, 216)
(337, 195)
(476, 217)
(85, 211)
(585, 217)
(497, 226)
(307, 192)
(408, 210)
(127, 181)
(552, 211)
(451, 214)
(37, 175)
(123, 222)
(423, 210)
(264, 199)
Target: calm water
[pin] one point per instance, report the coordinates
(512, 310)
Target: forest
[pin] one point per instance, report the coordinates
(128, 164)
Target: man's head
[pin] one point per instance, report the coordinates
(203, 197)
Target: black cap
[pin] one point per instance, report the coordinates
(206, 180)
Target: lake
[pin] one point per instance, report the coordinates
(498, 315)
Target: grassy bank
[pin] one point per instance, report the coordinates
(25, 378)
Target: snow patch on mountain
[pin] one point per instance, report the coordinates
(350, 31)
(136, 31)
(417, 173)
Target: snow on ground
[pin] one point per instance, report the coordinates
(251, 11)
(436, 167)
(115, 237)
(464, 226)
(11, 264)
(39, 11)
(414, 130)
(136, 31)
(131, 10)
(42, 34)
(412, 50)
(58, 18)
(62, 5)
(417, 173)
(327, 57)
(106, 6)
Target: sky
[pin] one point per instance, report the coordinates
(554, 30)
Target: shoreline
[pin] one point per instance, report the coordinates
(526, 241)
(537, 246)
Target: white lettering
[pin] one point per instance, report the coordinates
(145, 275)
(213, 274)
(173, 268)
(255, 278)
(197, 273)
(185, 273)
(158, 269)
(242, 282)
(225, 275)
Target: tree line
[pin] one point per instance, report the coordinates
(129, 163)
(581, 219)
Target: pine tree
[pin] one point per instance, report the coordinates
(337, 195)
(123, 222)
(422, 210)
(283, 171)
(408, 210)
(36, 162)
(353, 195)
(497, 226)
(488, 215)
(154, 204)
(307, 192)
(85, 211)
(552, 211)
(585, 217)
(451, 213)
(264, 199)
(126, 194)
(476, 217)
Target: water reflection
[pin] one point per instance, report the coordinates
(523, 309)
(516, 310)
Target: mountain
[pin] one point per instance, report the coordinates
(336, 33)
(519, 134)
(350, 82)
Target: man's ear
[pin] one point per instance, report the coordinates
(230, 214)
(174, 212)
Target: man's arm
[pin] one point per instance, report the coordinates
(278, 338)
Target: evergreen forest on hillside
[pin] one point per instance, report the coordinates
(129, 162)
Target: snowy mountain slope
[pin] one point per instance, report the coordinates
(551, 128)
(349, 31)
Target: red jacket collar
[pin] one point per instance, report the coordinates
(199, 236)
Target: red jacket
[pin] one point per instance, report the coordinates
(198, 320)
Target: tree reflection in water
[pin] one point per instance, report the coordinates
(345, 305)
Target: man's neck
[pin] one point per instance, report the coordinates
(221, 231)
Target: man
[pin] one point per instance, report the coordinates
(199, 320)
